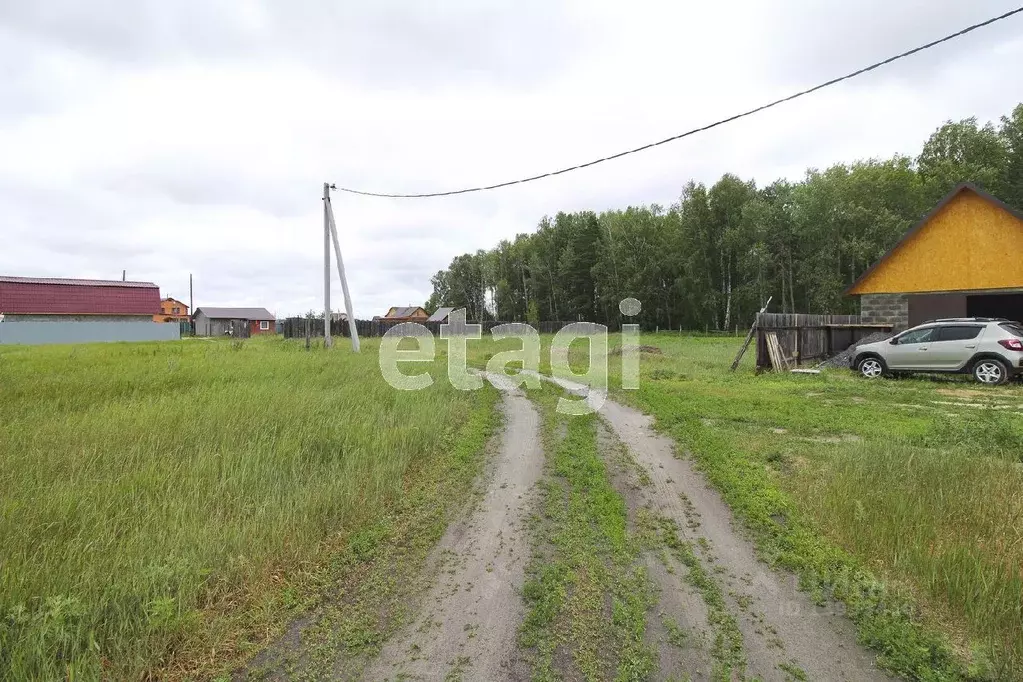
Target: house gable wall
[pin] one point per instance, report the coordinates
(969, 244)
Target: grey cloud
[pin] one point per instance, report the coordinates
(401, 258)
(411, 278)
(385, 43)
(18, 94)
(33, 79)
(416, 231)
(809, 41)
(186, 182)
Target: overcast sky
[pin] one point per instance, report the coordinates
(193, 136)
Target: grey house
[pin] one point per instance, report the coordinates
(237, 322)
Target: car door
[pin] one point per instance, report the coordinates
(954, 346)
(911, 349)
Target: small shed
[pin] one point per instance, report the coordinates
(963, 259)
(237, 322)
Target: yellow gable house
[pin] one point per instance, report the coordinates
(964, 259)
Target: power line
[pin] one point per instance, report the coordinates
(694, 131)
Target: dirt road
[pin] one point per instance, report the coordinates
(782, 630)
(717, 611)
(783, 633)
(470, 621)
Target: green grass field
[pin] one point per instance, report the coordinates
(166, 508)
(161, 503)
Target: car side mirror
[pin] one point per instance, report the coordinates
(894, 341)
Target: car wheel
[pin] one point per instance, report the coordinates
(990, 371)
(871, 367)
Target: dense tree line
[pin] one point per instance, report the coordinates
(712, 259)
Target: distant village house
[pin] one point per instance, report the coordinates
(172, 310)
(406, 314)
(238, 322)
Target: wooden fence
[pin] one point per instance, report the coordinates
(810, 338)
(298, 327)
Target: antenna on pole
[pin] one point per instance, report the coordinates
(332, 230)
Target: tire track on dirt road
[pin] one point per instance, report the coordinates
(469, 622)
(782, 630)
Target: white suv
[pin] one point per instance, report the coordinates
(989, 349)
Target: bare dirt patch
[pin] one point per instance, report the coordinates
(975, 394)
(677, 625)
(834, 440)
(781, 628)
(651, 350)
(470, 619)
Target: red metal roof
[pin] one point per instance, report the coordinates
(52, 296)
(79, 282)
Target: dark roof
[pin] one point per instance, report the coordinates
(54, 296)
(441, 314)
(235, 313)
(78, 282)
(403, 311)
(956, 191)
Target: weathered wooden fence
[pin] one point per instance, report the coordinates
(808, 338)
(296, 327)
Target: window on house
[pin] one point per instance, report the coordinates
(176, 311)
(264, 325)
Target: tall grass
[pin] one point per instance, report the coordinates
(950, 525)
(144, 485)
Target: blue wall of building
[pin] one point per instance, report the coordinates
(33, 332)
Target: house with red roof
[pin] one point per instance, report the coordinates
(56, 310)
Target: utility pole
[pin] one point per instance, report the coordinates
(326, 266)
(191, 309)
(352, 329)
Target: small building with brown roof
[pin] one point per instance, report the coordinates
(406, 314)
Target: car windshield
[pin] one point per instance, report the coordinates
(1014, 328)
